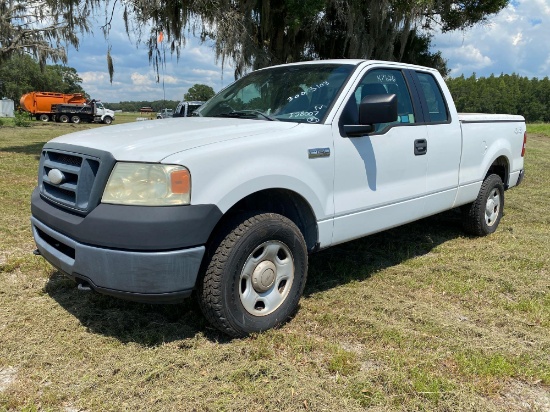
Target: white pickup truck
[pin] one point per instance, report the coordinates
(286, 161)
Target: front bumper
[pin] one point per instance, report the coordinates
(143, 228)
(154, 277)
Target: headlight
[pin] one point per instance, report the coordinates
(148, 185)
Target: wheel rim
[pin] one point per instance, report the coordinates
(266, 278)
(492, 208)
(75, 119)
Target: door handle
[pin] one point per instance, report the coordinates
(420, 147)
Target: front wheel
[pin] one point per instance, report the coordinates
(255, 275)
(107, 120)
(481, 217)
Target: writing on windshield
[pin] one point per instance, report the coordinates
(296, 93)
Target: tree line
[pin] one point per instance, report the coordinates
(507, 93)
(21, 74)
(135, 106)
(197, 92)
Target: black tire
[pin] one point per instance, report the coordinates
(44, 118)
(75, 119)
(481, 217)
(231, 297)
(64, 118)
(107, 120)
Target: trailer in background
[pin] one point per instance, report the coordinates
(6, 108)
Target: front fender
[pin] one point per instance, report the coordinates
(224, 173)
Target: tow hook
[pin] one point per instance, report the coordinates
(84, 287)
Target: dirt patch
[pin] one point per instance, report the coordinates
(7, 377)
(522, 397)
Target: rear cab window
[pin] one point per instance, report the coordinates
(435, 107)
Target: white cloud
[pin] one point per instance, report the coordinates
(517, 39)
(546, 65)
(170, 80)
(206, 73)
(474, 56)
(141, 79)
(512, 41)
(93, 77)
(542, 6)
(467, 58)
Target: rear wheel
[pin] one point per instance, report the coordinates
(255, 275)
(481, 217)
(64, 118)
(44, 118)
(75, 119)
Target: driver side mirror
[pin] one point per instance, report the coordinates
(377, 108)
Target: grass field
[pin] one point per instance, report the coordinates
(418, 318)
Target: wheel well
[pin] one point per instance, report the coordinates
(500, 167)
(283, 202)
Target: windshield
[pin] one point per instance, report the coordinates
(301, 94)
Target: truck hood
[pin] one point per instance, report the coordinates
(153, 140)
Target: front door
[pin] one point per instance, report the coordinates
(380, 178)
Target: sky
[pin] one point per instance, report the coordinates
(517, 40)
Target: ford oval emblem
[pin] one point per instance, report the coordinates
(56, 176)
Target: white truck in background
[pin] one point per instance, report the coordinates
(286, 161)
(165, 114)
(92, 111)
(186, 109)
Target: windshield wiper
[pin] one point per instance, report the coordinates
(246, 114)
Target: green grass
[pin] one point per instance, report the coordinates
(539, 129)
(418, 318)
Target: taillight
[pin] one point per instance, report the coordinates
(524, 144)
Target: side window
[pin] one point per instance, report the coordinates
(382, 81)
(437, 110)
(192, 108)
